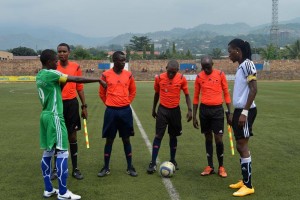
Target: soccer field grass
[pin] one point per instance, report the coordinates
(275, 150)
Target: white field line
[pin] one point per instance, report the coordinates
(167, 182)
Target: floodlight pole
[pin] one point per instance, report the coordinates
(274, 27)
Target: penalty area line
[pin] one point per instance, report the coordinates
(167, 182)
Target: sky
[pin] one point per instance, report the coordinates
(103, 18)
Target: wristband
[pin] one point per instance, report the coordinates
(83, 106)
(245, 112)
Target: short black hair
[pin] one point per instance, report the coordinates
(173, 63)
(47, 55)
(206, 57)
(64, 45)
(116, 54)
(243, 45)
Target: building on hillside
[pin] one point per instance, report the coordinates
(4, 55)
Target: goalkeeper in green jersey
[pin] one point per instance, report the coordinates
(53, 132)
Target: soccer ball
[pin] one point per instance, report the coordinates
(166, 169)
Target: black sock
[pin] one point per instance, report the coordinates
(220, 153)
(155, 149)
(173, 148)
(74, 152)
(107, 153)
(209, 153)
(246, 171)
(128, 154)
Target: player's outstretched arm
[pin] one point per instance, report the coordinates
(81, 79)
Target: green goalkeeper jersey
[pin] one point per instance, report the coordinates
(49, 90)
(53, 131)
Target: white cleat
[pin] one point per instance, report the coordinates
(68, 195)
(50, 194)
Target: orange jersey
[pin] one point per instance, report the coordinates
(169, 89)
(70, 89)
(211, 88)
(120, 90)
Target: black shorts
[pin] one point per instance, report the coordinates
(170, 117)
(71, 115)
(211, 119)
(117, 119)
(246, 131)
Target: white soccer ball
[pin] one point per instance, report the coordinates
(166, 169)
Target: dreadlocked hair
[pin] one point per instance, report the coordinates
(243, 45)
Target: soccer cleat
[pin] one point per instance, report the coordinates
(208, 171)
(68, 195)
(222, 172)
(53, 174)
(131, 171)
(237, 185)
(175, 164)
(77, 174)
(50, 194)
(152, 168)
(243, 191)
(103, 172)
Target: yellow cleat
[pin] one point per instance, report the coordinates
(237, 185)
(243, 191)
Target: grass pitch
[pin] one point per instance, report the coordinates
(275, 150)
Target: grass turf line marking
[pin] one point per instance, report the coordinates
(167, 182)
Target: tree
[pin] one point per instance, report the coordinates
(269, 53)
(152, 56)
(80, 54)
(174, 52)
(97, 54)
(216, 53)
(136, 56)
(188, 54)
(127, 53)
(22, 51)
(293, 51)
(138, 43)
(144, 53)
(168, 54)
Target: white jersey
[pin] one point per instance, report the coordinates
(241, 88)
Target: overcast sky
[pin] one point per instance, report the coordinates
(99, 18)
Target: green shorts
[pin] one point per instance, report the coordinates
(53, 131)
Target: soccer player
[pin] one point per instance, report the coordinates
(245, 89)
(211, 84)
(53, 132)
(71, 105)
(118, 114)
(167, 88)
